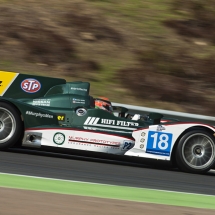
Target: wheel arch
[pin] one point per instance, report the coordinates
(18, 143)
(203, 128)
(14, 106)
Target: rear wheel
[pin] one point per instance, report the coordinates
(196, 152)
(11, 125)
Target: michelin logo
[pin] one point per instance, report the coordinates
(39, 114)
(160, 128)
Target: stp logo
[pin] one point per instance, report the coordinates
(30, 85)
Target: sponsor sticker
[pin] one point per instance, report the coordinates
(111, 122)
(127, 145)
(143, 134)
(61, 117)
(94, 140)
(107, 142)
(41, 102)
(142, 140)
(78, 101)
(30, 85)
(159, 143)
(81, 89)
(1, 83)
(41, 115)
(160, 128)
(59, 138)
(141, 146)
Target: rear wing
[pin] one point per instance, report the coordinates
(16, 85)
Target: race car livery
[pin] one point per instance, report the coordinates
(37, 112)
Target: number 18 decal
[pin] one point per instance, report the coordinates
(159, 143)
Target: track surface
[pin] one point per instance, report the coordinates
(107, 172)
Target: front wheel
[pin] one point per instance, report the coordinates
(196, 152)
(11, 125)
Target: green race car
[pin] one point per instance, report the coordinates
(37, 111)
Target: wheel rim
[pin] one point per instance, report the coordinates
(198, 151)
(7, 125)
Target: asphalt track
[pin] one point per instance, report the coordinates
(67, 167)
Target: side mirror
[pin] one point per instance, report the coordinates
(156, 118)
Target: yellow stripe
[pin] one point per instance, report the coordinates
(6, 79)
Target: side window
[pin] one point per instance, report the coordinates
(59, 89)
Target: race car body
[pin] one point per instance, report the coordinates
(37, 111)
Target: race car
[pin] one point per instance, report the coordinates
(38, 112)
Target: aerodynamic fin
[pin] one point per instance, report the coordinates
(16, 85)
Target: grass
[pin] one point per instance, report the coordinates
(107, 191)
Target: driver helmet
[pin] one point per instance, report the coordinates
(104, 104)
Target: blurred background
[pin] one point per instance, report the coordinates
(153, 53)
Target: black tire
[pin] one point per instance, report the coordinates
(11, 126)
(196, 152)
